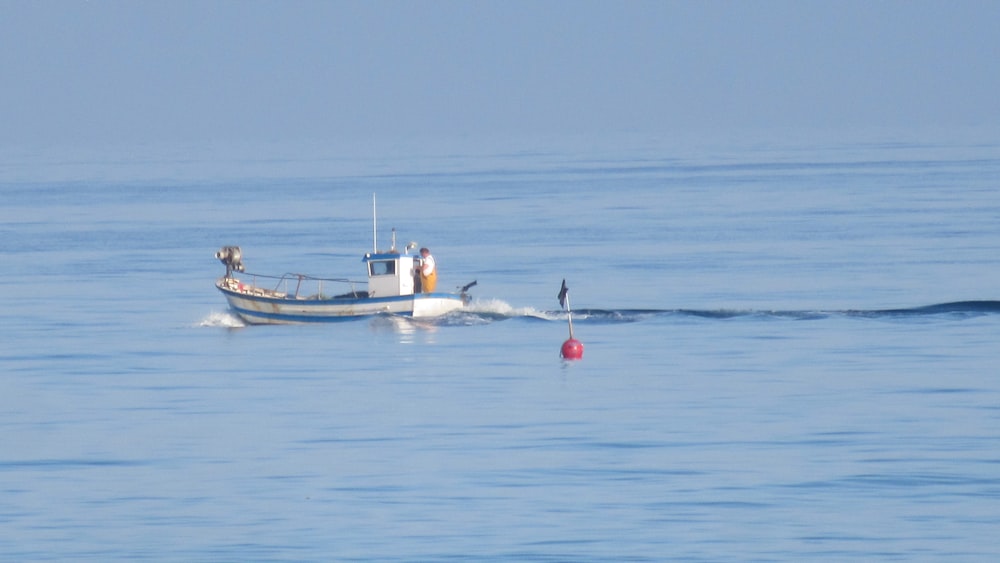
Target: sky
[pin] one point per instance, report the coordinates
(108, 71)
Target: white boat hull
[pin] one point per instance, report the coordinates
(255, 306)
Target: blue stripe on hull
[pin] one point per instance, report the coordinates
(257, 317)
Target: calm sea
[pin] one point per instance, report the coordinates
(790, 355)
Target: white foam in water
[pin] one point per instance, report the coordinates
(223, 319)
(500, 307)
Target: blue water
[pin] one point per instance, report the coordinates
(790, 355)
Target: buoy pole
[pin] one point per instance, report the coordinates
(569, 316)
(572, 349)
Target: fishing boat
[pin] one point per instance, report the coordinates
(392, 287)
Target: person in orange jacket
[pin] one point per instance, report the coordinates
(428, 271)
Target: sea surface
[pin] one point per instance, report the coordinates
(791, 354)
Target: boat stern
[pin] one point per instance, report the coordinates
(436, 304)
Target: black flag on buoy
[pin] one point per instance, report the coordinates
(562, 295)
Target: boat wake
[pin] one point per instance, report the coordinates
(498, 310)
(482, 312)
(962, 308)
(225, 319)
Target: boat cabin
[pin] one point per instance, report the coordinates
(390, 274)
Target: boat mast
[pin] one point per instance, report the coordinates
(374, 227)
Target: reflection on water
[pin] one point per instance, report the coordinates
(410, 330)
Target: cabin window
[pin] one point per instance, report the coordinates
(382, 267)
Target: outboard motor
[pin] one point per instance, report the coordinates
(464, 291)
(232, 257)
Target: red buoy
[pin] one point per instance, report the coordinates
(572, 349)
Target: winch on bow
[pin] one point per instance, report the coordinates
(232, 257)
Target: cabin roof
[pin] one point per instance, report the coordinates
(383, 256)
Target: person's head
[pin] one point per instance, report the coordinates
(424, 252)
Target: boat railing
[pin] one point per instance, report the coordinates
(306, 283)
